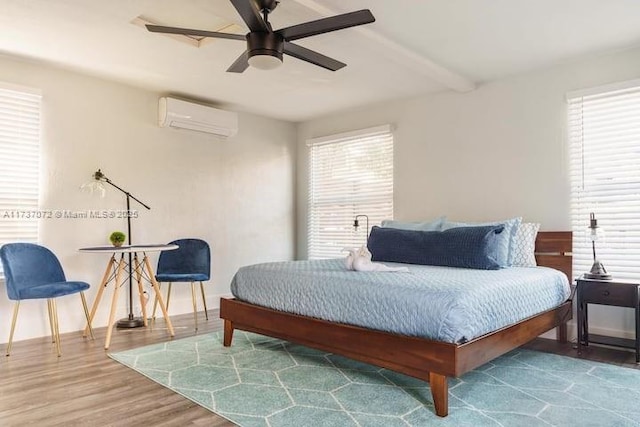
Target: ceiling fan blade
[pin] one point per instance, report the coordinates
(327, 25)
(189, 32)
(240, 64)
(313, 57)
(250, 13)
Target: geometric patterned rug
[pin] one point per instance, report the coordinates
(266, 382)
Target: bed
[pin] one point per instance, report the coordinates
(427, 357)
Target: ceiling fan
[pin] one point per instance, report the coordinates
(265, 47)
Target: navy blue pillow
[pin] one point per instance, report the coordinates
(465, 247)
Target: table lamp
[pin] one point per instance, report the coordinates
(356, 224)
(596, 233)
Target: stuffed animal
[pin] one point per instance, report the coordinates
(360, 260)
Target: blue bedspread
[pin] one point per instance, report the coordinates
(440, 303)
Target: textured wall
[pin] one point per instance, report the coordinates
(238, 194)
(494, 153)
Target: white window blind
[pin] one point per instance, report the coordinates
(604, 137)
(350, 174)
(19, 164)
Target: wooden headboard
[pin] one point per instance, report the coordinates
(553, 249)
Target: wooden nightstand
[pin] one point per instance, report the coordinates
(607, 292)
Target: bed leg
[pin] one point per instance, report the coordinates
(440, 393)
(561, 332)
(228, 332)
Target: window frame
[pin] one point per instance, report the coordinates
(348, 199)
(598, 124)
(20, 161)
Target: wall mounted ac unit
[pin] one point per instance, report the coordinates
(180, 114)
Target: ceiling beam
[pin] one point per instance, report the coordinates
(419, 62)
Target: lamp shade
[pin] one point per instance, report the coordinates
(594, 234)
(594, 231)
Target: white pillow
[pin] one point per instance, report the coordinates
(524, 245)
(433, 225)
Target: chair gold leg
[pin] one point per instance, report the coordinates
(195, 308)
(53, 334)
(204, 302)
(54, 310)
(86, 314)
(16, 307)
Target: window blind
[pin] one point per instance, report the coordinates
(19, 164)
(604, 138)
(349, 174)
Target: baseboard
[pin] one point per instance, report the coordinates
(611, 332)
(181, 302)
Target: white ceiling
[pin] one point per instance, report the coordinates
(414, 47)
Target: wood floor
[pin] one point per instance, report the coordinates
(86, 388)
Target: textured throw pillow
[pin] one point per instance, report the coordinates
(506, 239)
(464, 247)
(434, 225)
(524, 245)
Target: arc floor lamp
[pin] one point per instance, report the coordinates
(98, 177)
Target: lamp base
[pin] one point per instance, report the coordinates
(130, 322)
(597, 276)
(598, 272)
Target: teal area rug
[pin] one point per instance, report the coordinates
(261, 381)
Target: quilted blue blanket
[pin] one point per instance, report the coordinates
(440, 303)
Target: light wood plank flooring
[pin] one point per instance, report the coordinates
(86, 388)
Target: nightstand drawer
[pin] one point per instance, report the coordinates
(621, 295)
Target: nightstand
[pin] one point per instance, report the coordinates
(607, 292)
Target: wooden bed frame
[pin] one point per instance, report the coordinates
(431, 361)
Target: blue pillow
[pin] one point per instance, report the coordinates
(506, 242)
(464, 247)
(434, 225)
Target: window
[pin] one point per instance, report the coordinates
(349, 174)
(19, 164)
(604, 138)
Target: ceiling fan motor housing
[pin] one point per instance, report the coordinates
(268, 5)
(259, 43)
(266, 47)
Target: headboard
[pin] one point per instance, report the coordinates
(553, 249)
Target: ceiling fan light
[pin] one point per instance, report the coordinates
(265, 62)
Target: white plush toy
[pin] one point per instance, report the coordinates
(360, 260)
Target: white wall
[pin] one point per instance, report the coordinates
(237, 194)
(497, 152)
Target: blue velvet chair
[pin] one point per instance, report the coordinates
(190, 263)
(34, 272)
